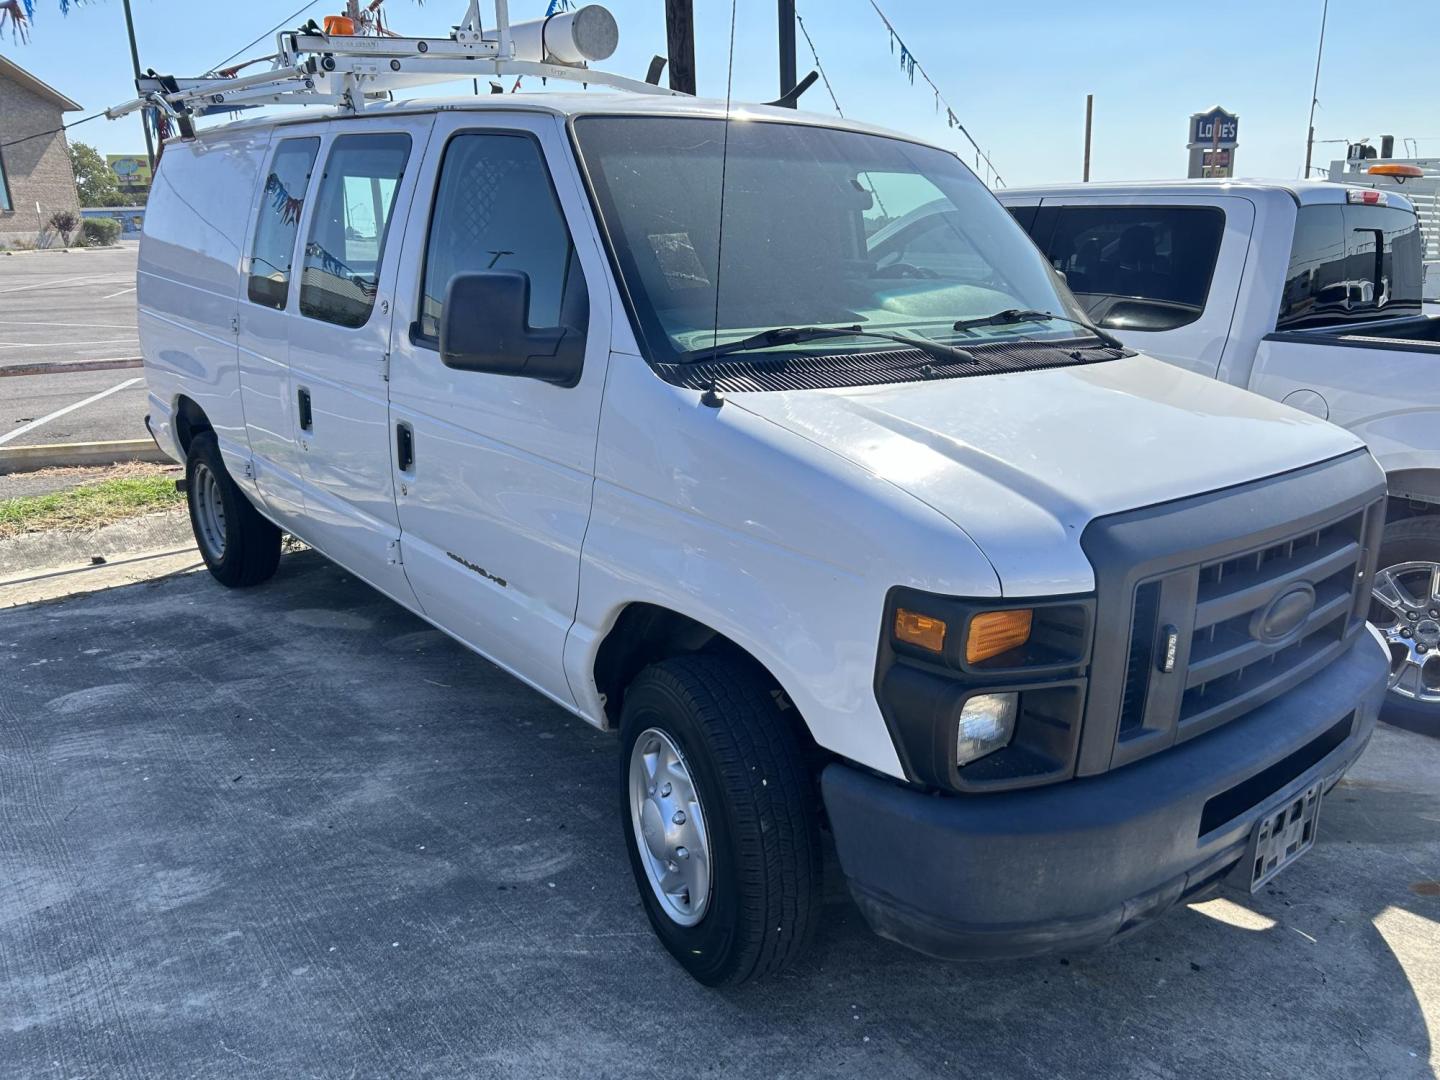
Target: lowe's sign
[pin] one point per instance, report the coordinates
(1216, 127)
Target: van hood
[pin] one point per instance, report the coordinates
(1022, 462)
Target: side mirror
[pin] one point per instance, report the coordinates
(485, 327)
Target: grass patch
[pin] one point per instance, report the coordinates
(88, 506)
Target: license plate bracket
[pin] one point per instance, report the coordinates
(1281, 835)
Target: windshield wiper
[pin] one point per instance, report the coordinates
(793, 335)
(1021, 315)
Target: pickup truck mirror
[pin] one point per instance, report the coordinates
(485, 327)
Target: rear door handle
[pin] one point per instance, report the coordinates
(404, 447)
(306, 419)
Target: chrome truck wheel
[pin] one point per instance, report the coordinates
(669, 826)
(1406, 610)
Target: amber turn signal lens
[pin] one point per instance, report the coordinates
(922, 630)
(995, 632)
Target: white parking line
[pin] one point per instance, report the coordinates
(49, 284)
(78, 325)
(122, 292)
(62, 344)
(33, 424)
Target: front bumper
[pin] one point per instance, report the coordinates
(1082, 862)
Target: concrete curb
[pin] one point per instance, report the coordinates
(36, 553)
(60, 367)
(53, 455)
(83, 249)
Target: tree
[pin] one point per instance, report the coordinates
(94, 181)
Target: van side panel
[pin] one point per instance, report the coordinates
(188, 282)
(715, 513)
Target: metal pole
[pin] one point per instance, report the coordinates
(786, 12)
(1315, 90)
(680, 42)
(144, 113)
(1089, 114)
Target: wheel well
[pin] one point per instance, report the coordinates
(1413, 493)
(647, 633)
(190, 420)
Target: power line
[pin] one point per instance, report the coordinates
(273, 30)
(52, 131)
(913, 65)
(820, 67)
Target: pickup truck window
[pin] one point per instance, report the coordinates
(1350, 263)
(495, 209)
(1135, 267)
(273, 249)
(820, 227)
(341, 272)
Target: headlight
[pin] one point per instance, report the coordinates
(984, 694)
(987, 723)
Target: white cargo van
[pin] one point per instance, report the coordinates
(613, 389)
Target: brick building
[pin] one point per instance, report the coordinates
(35, 171)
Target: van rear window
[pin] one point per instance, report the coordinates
(281, 201)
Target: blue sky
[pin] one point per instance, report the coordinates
(1016, 75)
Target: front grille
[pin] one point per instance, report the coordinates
(1227, 664)
(1208, 607)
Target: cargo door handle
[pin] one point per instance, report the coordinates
(404, 447)
(306, 419)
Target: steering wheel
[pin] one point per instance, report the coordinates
(904, 270)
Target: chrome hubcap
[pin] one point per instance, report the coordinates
(669, 827)
(209, 511)
(1406, 610)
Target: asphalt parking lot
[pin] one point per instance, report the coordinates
(58, 308)
(295, 832)
(68, 305)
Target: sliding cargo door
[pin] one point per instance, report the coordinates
(339, 338)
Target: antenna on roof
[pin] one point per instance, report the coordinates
(315, 68)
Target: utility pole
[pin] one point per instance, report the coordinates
(786, 12)
(680, 42)
(1089, 114)
(1315, 90)
(144, 113)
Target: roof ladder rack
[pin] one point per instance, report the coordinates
(332, 69)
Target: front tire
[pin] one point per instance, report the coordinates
(1406, 610)
(720, 818)
(239, 547)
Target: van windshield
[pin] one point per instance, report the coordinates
(820, 228)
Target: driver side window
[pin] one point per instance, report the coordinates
(495, 209)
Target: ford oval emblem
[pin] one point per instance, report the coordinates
(1284, 615)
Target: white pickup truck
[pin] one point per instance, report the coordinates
(1308, 293)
